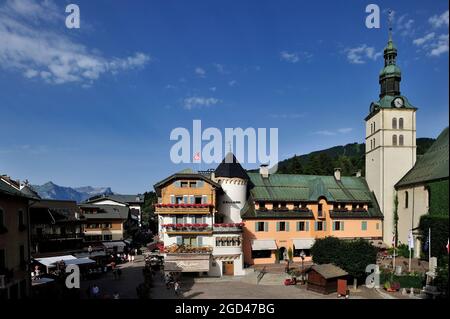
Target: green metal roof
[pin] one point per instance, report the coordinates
(433, 165)
(293, 187)
(390, 69)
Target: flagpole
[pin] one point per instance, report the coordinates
(393, 266)
(409, 267)
(429, 245)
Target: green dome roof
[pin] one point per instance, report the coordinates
(391, 69)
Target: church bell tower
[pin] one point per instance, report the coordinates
(390, 138)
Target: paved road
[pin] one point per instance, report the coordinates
(126, 286)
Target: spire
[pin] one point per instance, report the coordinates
(390, 75)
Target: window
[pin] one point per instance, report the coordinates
(378, 226)
(400, 123)
(300, 226)
(371, 128)
(190, 241)
(193, 184)
(320, 208)
(107, 237)
(20, 218)
(178, 199)
(297, 252)
(184, 184)
(261, 254)
(319, 226)
(394, 123)
(198, 199)
(260, 226)
(338, 225)
(282, 226)
(374, 129)
(394, 140)
(262, 205)
(363, 225)
(400, 140)
(374, 143)
(406, 199)
(2, 218)
(371, 144)
(2, 259)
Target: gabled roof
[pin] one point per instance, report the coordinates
(106, 211)
(7, 189)
(185, 174)
(53, 210)
(329, 271)
(125, 199)
(431, 166)
(231, 168)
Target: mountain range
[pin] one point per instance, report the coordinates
(50, 190)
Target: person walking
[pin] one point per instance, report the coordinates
(177, 288)
(95, 291)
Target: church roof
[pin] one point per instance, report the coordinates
(231, 168)
(433, 165)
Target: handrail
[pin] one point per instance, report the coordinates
(261, 275)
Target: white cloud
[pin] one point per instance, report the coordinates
(199, 102)
(438, 21)
(220, 68)
(345, 130)
(360, 54)
(200, 72)
(424, 39)
(404, 25)
(286, 116)
(441, 46)
(213, 89)
(325, 133)
(45, 53)
(289, 57)
(232, 83)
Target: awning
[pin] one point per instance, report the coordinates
(79, 261)
(264, 244)
(41, 281)
(50, 261)
(304, 243)
(111, 244)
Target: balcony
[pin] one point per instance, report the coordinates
(228, 228)
(183, 208)
(185, 249)
(50, 237)
(179, 229)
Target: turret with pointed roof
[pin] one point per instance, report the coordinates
(231, 168)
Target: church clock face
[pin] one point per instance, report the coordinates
(398, 102)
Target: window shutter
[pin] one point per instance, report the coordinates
(342, 225)
(172, 199)
(298, 226)
(204, 199)
(287, 226)
(179, 240)
(200, 241)
(256, 226)
(278, 226)
(177, 184)
(266, 226)
(307, 225)
(315, 226)
(324, 225)
(334, 226)
(174, 220)
(192, 199)
(200, 183)
(185, 199)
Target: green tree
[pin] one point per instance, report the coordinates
(353, 256)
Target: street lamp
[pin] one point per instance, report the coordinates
(302, 256)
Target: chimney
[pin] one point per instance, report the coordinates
(264, 170)
(358, 173)
(213, 176)
(337, 174)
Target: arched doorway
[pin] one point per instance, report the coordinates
(282, 253)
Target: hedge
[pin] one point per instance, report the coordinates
(439, 202)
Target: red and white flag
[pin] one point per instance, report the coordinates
(197, 156)
(447, 246)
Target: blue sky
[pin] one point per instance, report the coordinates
(96, 105)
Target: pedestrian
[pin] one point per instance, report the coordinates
(116, 295)
(177, 287)
(95, 291)
(129, 257)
